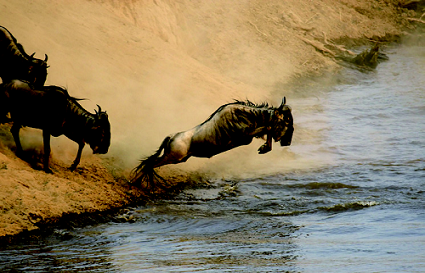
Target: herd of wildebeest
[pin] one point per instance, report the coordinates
(26, 101)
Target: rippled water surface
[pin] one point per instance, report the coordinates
(362, 212)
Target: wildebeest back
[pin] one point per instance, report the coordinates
(37, 108)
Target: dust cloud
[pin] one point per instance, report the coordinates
(157, 77)
(160, 67)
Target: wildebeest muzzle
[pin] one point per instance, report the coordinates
(100, 150)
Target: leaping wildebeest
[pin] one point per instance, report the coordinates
(16, 64)
(54, 111)
(231, 125)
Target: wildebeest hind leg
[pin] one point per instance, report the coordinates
(175, 155)
(15, 133)
(166, 154)
(46, 143)
(145, 173)
(153, 179)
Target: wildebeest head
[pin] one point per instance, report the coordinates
(284, 127)
(100, 133)
(38, 71)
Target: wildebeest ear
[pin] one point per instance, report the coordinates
(32, 56)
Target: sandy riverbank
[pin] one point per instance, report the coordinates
(157, 67)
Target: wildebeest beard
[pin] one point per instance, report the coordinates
(231, 125)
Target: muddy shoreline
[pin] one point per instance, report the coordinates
(59, 226)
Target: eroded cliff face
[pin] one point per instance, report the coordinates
(162, 66)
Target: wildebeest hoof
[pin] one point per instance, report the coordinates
(264, 149)
(72, 168)
(48, 170)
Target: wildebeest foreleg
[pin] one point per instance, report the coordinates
(15, 133)
(266, 147)
(46, 144)
(77, 159)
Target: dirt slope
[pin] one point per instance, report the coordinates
(161, 66)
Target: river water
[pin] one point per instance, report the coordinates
(362, 211)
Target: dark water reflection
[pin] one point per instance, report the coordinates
(363, 211)
(55, 254)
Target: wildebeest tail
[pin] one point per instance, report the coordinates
(145, 173)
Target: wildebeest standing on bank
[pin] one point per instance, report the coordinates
(232, 125)
(16, 64)
(56, 113)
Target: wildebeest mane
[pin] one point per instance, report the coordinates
(243, 103)
(64, 91)
(252, 104)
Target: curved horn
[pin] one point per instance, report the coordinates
(283, 103)
(32, 56)
(100, 109)
(45, 58)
